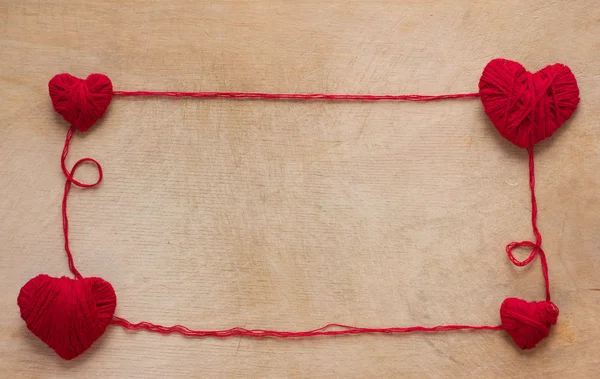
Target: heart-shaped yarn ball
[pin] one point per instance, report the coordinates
(527, 322)
(527, 108)
(68, 315)
(80, 102)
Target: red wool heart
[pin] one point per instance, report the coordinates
(80, 102)
(68, 315)
(527, 322)
(527, 108)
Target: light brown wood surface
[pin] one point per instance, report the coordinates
(290, 215)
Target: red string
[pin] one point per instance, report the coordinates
(238, 331)
(340, 329)
(69, 174)
(536, 247)
(261, 333)
(346, 329)
(71, 324)
(296, 96)
(71, 180)
(325, 330)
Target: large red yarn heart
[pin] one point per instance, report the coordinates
(527, 108)
(68, 315)
(527, 322)
(80, 102)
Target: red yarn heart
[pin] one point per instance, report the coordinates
(80, 102)
(527, 322)
(68, 315)
(527, 108)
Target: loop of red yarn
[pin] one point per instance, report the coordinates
(69, 174)
(528, 322)
(527, 107)
(80, 102)
(67, 314)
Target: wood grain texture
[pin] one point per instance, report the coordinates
(290, 215)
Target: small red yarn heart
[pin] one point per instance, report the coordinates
(524, 107)
(527, 322)
(80, 102)
(68, 315)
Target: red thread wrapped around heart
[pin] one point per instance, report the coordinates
(80, 102)
(524, 107)
(527, 322)
(68, 315)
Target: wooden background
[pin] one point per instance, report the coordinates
(290, 215)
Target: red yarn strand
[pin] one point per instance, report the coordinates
(526, 322)
(296, 96)
(238, 331)
(71, 180)
(525, 338)
(536, 247)
(262, 333)
(69, 174)
(339, 329)
(66, 231)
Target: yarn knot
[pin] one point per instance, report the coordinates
(528, 322)
(80, 102)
